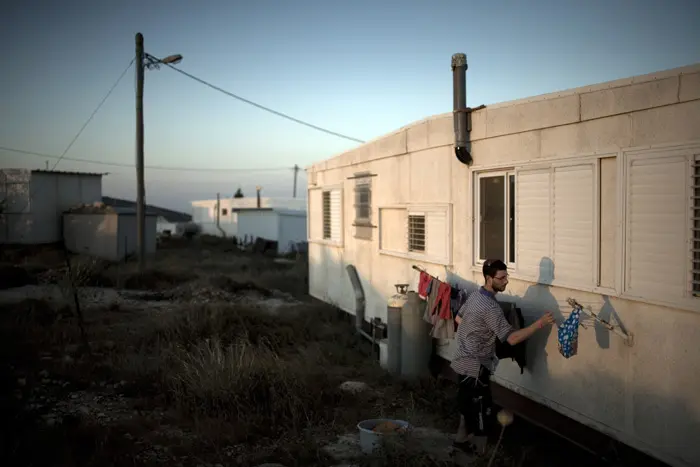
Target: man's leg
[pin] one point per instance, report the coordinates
(468, 416)
(483, 392)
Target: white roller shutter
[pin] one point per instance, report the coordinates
(336, 214)
(574, 225)
(533, 230)
(656, 226)
(315, 216)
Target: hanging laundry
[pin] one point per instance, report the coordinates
(443, 322)
(424, 284)
(458, 298)
(431, 299)
(568, 334)
(517, 352)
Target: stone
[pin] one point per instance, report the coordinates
(354, 387)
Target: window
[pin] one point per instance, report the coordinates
(662, 233)
(417, 232)
(224, 212)
(541, 220)
(363, 206)
(695, 284)
(325, 215)
(363, 202)
(495, 213)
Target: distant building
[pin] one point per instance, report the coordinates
(33, 202)
(282, 220)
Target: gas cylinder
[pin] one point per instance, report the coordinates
(395, 305)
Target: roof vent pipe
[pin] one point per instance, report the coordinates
(460, 112)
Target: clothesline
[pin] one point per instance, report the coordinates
(420, 269)
(627, 337)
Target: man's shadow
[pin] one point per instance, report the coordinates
(537, 300)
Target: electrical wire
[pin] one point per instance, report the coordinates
(154, 167)
(92, 115)
(262, 107)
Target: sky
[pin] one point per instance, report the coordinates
(360, 68)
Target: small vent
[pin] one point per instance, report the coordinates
(416, 233)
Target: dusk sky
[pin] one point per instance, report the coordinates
(361, 68)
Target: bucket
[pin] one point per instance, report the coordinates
(370, 439)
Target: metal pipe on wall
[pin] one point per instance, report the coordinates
(460, 111)
(360, 302)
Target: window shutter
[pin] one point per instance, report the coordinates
(533, 231)
(436, 242)
(573, 224)
(656, 233)
(391, 222)
(316, 214)
(336, 216)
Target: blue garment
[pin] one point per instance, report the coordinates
(568, 334)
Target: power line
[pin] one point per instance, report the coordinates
(92, 115)
(262, 107)
(153, 167)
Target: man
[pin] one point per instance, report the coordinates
(480, 322)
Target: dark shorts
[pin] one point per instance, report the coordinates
(474, 401)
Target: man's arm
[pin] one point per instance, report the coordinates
(520, 335)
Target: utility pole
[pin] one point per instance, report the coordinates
(140, 182)
(296, 171)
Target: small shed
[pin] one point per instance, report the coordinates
(287, 227)
(106, 232)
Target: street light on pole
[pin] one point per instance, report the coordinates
(143, 61)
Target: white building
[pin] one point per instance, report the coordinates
(107, 232)
(591, 193)
(35, 199)
(278, 219)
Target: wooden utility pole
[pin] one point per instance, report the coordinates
(140, 182)
(296, 172)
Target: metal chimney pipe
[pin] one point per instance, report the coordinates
(460, 112)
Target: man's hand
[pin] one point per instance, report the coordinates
(545, 320)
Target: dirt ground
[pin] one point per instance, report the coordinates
(213, 357)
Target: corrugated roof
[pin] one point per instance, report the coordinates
(62, 172)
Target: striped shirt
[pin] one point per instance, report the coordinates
(482, 323)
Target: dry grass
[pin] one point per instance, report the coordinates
(241, 385)
(235, 378)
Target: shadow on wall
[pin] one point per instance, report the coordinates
(639, 419)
